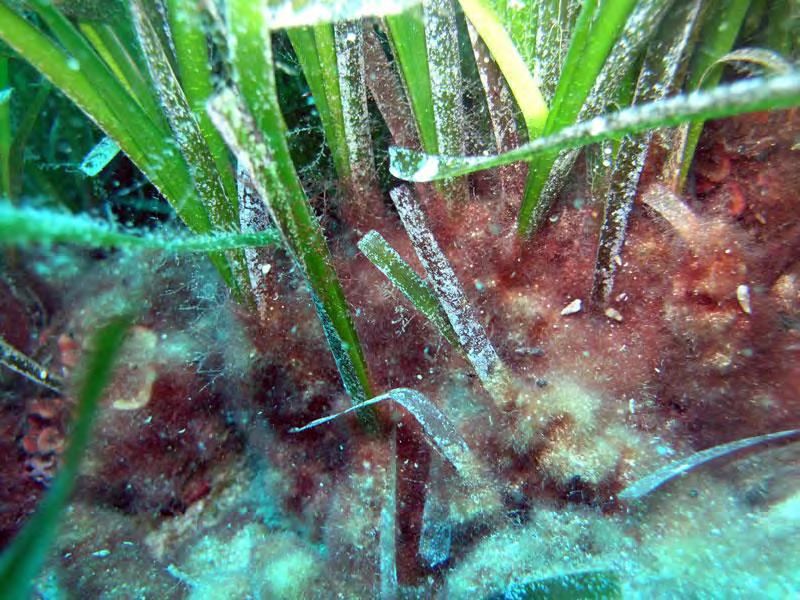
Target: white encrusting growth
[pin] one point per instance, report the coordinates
(441, 37)
(427, 169)
(469, 331)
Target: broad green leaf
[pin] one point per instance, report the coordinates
(413, 287)
(22, 560)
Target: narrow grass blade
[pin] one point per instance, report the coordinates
(541, 188)
(89, 60)
(671, 207)
(407, 37)
(23, 559)
(447, 94)
(720, 30)
(184, 125)
(114, 111)
(86, 74)
(386, 89)
(628, 165)
(752, 95)
(156, 13)
(22, 364)
(325, 47)
(349, 40)
(499, 97)
(332, 58)
(196, 80)
(770, 62)
(221, 208)
(568, 99)
(552, 28)
(16, 158)
(781, 33)
(602, 26)
(115, 54)
(302, 237)
(259, 142)
(680, 149)
(441, 39)
(74, 67)
(436, 531)
(502, 109)
(438, 428)
(414, 287)
(388, 527)
(644, 486)
(98, 157)
(660, 75)
(643, 20)
(316, 52)
(470, 333)
(35, 226)
(253, 218)
(521, 20)
(521, 81)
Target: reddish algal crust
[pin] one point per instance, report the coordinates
(686, 362)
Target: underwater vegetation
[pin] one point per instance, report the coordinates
(439, 299)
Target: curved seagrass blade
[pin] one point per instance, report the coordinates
(644, 486)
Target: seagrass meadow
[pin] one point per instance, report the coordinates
(445, 299)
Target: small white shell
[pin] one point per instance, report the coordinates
(743, 296)
(572, 308)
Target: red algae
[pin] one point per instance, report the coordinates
(194, 470)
